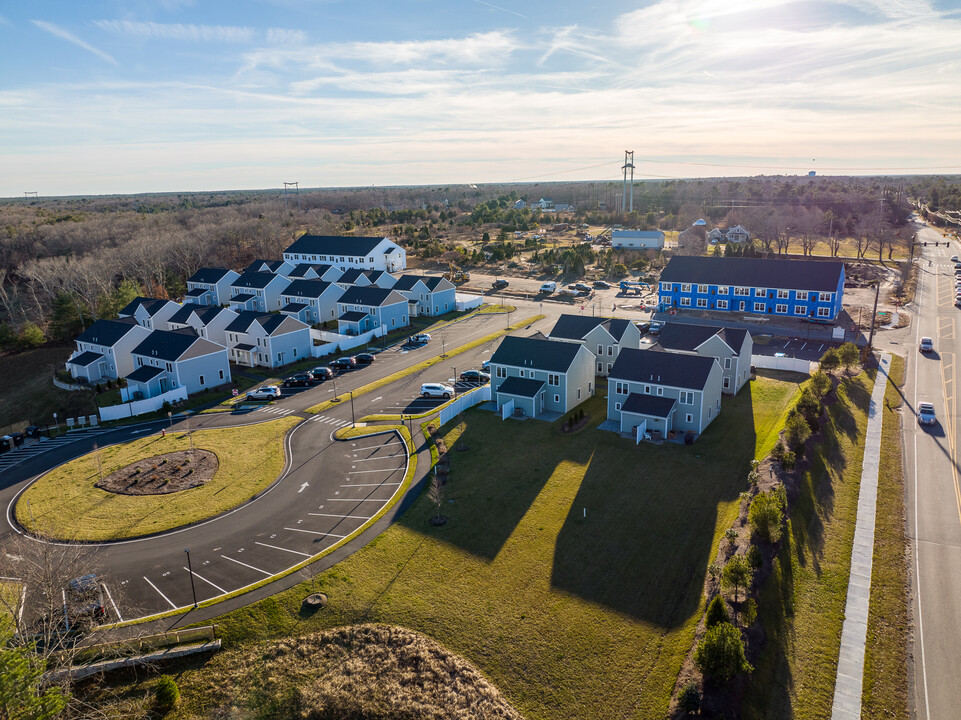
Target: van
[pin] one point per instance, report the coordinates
(549, 287)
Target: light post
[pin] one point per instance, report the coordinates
(56, 422)
(353, 420)
(190, 571)
(454, 378)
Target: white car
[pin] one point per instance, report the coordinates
(434, 390)
(267, 392)
(419, 338)
(926, 414)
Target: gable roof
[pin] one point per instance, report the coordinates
(436, 282)
(272, 266)
(254, 279)
(351, 275)
(272, 323)
(681, 336)
(373, 296)
(407, 282)
(550, 355)
(107, 332)
(660, 368)
(755, 272)
(334, 245)
(144, 373)
(576, 327)
(300, 270)
(306, 288)
(184, 313)
(151, 305)
(209, 275)
(173, 345)
(85, 358)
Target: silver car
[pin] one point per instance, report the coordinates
(926, 414)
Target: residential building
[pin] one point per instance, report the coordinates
(168, 359)
(257, 291)
(208, 322)
(103, 350)
(368, 253)
(150, 313)
(365, 308)
(427, 294)
(603, 337)
(267, 339)
(736, 234)
(275, 267)
(537, 375)
(637, 239)
(210, 286)
(314, 271)
(311, 301)
(365, 278)
(731, 347)
(789, 288)
(661, 392)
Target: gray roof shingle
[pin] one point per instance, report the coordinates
(652, 405)
(660, 368)
(818, 275)
(172, 345)
(681, 336)
(107, 332)
(576, 327)
(550, 355)
(306, 288)
(334, 245)
(520, 387)
(208, 276)
(371, 296)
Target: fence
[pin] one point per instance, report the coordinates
(466, 400)
(774, 362)
(141, 407)
(334, 342)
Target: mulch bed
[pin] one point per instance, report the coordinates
(163, 474)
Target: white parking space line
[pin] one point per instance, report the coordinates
(268, 574)
(314, 532)
(364, 472)
(382, 457)
(375, 447)
(353, 485)
(110, 598)
(201, 577)
(159, 593)
(346, 517)
(276, 547)
(355, 500)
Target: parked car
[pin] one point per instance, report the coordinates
(548, 287)
(267, 392)
(343, 363)
(927, 345)
(85, 599)
(419, 339)
(644, 327)
(486, 365)
(433, 390)
(926, 414)
(954, 258)
(364, 358)
(581, 287)
(478, 376)
(602, 285)
(656, 328)
(499, 284)
(322, 373)
(299, 380)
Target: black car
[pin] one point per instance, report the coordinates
(499, 284)
(297, 381)
(322, 373)
(364, 358)
(601, 285)
(477, 376)
(343, 363)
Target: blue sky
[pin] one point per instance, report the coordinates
(165, 95)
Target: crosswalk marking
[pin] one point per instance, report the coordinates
(26, 452)
(329, 420)
(275, 410)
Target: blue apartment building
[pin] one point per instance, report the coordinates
(812, 289)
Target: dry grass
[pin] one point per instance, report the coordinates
(28, 393)
(65, 503)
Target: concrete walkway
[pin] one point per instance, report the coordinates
(847, 688)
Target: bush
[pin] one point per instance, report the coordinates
(720, 653)
(689, 701)
(797, 431)
(830, 360)
(109, 384)
(789, 460)
(766, 516)
(99, 389)
(30, 336)
(716, 612)
(166, 407)
(810, 407)
(820, 385)
(778, 453)
(849, 355)
(167, 693)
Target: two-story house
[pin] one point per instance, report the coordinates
(210, 286)
(366, 278)
(660, 392)
(269, 340)
(427, 294)
(536, 375)
(367, 253)
(311, 301)
(258, 291)
(604, 337)
(150, 313)
(736, 234)
(314, 271)
(731, 348)
(764, 286)
(365, 308)
(209, 322)
(168, 359)
(103, 350)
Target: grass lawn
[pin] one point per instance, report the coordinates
(571, 616)
(65, 504)
(10, 595)
(802, 603)
(28, 395)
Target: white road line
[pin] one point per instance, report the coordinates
(382, 457)
(352, 485)
(268, 574)
(363, 472)
(275, 547)
(110, 597)
(314, 532)
(348, 517)
(355, 500)
(159, 593)
(201, 577)
(12, 579)
(375, 447)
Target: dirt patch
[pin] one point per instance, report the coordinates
(163, 474)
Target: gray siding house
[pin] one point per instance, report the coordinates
(210, 322)
(168, 359)
(427, 295)
(258, 291)
(365, 308)
(103, 350)
(604, 337)
(268, 339)
(731, 348)
(150, 313)
(311, 301)
(210, 286)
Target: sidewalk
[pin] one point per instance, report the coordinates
(848, 686)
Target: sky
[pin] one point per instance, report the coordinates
(130, 96)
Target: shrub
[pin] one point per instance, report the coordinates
(849, 355)
(689, 701)
(820, 385)
(99, 389)
(796, 430)
(766, 516)
(810, 407)
(778, 453)
(166, 407)
(830, 360)
(720, 653)
(789, 460)
(167, 693)
(109, 384)
(731, 536)
(754, 558)
(716, 612)
(737, 574)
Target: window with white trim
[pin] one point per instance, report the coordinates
(782, 294)
(800, 310)
(523, 373)
(824, 312)
(685, 302)
(727, 363)
(201, 380)
(760, 292)
(600, 349)
(779, 308)
(727, 383)
(500, 372)
(689, 418)
(553, 380)
(660, 391)
(610, 350)
(557, 398)
(759, 307)
(801, 295)
(617, 406)
(742, 291)
(702, 288)
(685, 287)
(722, 289)
(686, 398)
(600, 367)
(722, 304)
(702, 302)
(621, 388)
(221, 374)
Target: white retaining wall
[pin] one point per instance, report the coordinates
(141, 407)
(332, 341)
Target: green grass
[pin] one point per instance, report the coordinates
(10, 595)
(65, 503)
(802, 603)
(572, 617)
(886, 653)
(27, 392)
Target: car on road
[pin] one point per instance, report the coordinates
(322, 373)
(364, 358)
(299, 380)
(548, 287)
(927, 345)
(499, 284)
(477, 376)
(419, 339)
(926, 414)
(433, 390)
(602, 285)
(267, 392)
(954, 258)
(343, 364)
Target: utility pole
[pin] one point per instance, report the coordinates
(296, 186)
(628, 165)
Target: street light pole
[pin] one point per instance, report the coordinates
(454, 378)
(190, 571)
(353, 421)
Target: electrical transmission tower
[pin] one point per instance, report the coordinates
(296, 187)
(30, 194)
(628, 165)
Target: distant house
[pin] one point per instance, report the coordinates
(311, 271)
(603, 337)
(103, 350)
(520, 205)
(210, 323)
(542, 204)
(365, 308)
(736, 234)
(257, 291)
(311, 301)
(731, 348)
(534, 375)
(368, 253)
(637, 239)
(168, 359)
(427, 294)
(150, 312)
(365, 278)
(210, 286)
(268, 340)
(791, 288)
(660, 392)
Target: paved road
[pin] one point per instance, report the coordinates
(933, 495)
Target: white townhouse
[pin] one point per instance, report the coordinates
(731, 347)
(103, 350)
(604, 337)
(368, 253)
(531, 375)
(210, 322)
(311, 301)
(210, 286)
(259, 291)
(427, 294)
(659, 392)
(150, 312)
(315, 271)
(274, 267)
(168, 359)
(268, 340)
(366, 278)
(364, 308)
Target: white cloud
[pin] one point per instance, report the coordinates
(177, 31)
(71, 38)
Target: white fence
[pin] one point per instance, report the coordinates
(140, 407)
(334, 342)
(467, 301)
(774, 362)
(466, 400)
